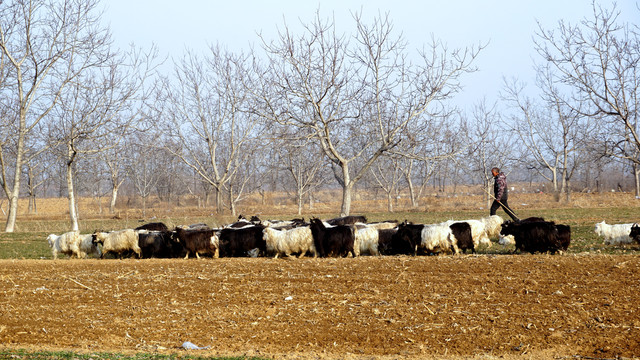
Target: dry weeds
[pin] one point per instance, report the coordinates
(279, 204)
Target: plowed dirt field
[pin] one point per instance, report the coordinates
(511, 306)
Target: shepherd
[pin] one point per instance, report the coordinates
(501, 194)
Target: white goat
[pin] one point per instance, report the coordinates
(296, 240)
(118, 241)
(614, 234)
(438, 237)
(277, 223)
(67, 243)
(507, 240)
(492, 226)
(87, 246)
(215, 241)
(366, 241)
(72, 244)
(385, 225)
(478, 233)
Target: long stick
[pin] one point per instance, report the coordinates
(506, 208)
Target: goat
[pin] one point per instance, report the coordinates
(118, 242)
(240, 224)
(156, 226)
(438, 238)
(333, 241)
(159, 244)
(366, 241)
(390, 244)
(196, 226)
(492, 226)
(405, 240)
(296, 240)
(506, 240)
(615, 234)
(564, 236)
(197, 241)
(635, 233)
(430, 239)
(478, 232)
(462, 233)
(347, 220)
(532, 237)
(237, 242)
(384, 225)
(72, 244)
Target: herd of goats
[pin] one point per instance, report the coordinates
(339, 237)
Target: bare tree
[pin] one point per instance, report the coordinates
(113, 158)
(428, 146)
(357, 93)
(36, 176)
(551, 132)
(299, 157)
(387, 173)
(45, 45)
(143, 168)
(598, 60)
(417, 174)
(206, 109)
(490, 145)
(95, 108)
(76, 127)
(246, 177)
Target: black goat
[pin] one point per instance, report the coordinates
(332, 241)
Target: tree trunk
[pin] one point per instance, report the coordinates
(218, 200)
(15, 193)
(412, 191)
(13, 208)
(73, 215)
(636, 178)
(207, 197)
(232, 203)
(347, 187)
(300, 195)
(554, 181)
(144, 207)
(31, 201)
(564, 186)
(114, 197)
(389, 202)
(345, 210)
(32, 191)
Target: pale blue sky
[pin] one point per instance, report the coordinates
(508, 25)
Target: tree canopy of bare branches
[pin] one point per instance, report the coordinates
(597, 59)
(207, 112)
(550, 133)
(45, 45)
(356, 93)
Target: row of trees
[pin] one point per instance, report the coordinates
(309, 109)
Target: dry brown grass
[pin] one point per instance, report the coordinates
(281, 204)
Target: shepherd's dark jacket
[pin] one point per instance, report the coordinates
(500, 187)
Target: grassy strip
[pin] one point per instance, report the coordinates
(32, 244)
(60, 355)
